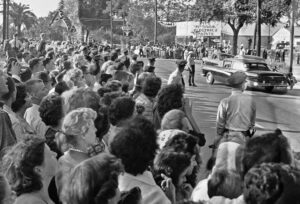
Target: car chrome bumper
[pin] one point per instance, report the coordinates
(262, 85)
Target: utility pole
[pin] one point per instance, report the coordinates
(258, 27)
(4, 20)
(111, 24)
(292, 35)
(7, 18)
(155, 24)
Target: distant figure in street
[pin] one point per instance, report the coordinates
(191, 68)
(236, 113)
(242, 50)
(15, 45)
(42, 45)
(265, 54)
(176, 76)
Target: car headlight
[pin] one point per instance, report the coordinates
(255, 84)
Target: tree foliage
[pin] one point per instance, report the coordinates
(20, 15)
(54, 32)
(237, 13)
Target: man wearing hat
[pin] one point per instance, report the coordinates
(191, 68)
(125, 59)
(236, 113)
(150, 66)
(176, 76)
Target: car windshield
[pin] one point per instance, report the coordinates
(257, 67)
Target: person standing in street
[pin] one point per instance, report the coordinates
(236, 113)
(176, 76)
(191, 68)
(16, 46)
(42, 45)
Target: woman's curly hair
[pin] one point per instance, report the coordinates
(19, 162)
(168, 98)
(171, 163)
(262, 183)
(136, 145)
(93, 181)
(51, 109)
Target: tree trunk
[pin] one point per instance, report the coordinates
(19, 30)
(258, 27)
(4, 20)
(235, 41)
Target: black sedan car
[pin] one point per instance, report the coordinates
(259, 75)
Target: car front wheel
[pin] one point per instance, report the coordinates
(210, 78)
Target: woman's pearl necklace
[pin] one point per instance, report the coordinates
(77, 150)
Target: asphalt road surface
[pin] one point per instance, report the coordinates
(274, 110)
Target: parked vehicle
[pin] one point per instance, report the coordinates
(216, 59)
(259, 75)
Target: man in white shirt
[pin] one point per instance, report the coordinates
(176, 76)
(15, 43)
(38, 91)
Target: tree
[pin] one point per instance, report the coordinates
(21, 15)
(237, 13)
(55, 32)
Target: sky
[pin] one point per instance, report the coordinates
(40, 8)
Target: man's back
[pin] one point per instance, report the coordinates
(237, 112)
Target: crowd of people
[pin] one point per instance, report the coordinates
(85, 123)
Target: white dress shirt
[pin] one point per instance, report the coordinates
(32, 116)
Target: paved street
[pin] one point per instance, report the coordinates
(273, 110)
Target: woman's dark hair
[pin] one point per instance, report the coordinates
(19, 163)
(171, 163)
(51, 110)
(120, 66)
(20, 98)
(169, 97)
(46, 61)
(270, 147)
(104, 78)
(136, 145)
(262, 183)
(120, 109)
(151, 86)
(225, 183)
(67, 65)
(61, 87)
(103, 90)
(11, 89)
(50, 55)
(93, 181)
(44, 76)
(183, 142)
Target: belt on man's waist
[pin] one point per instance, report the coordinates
(246, 133)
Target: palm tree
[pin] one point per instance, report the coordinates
(21, 15)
